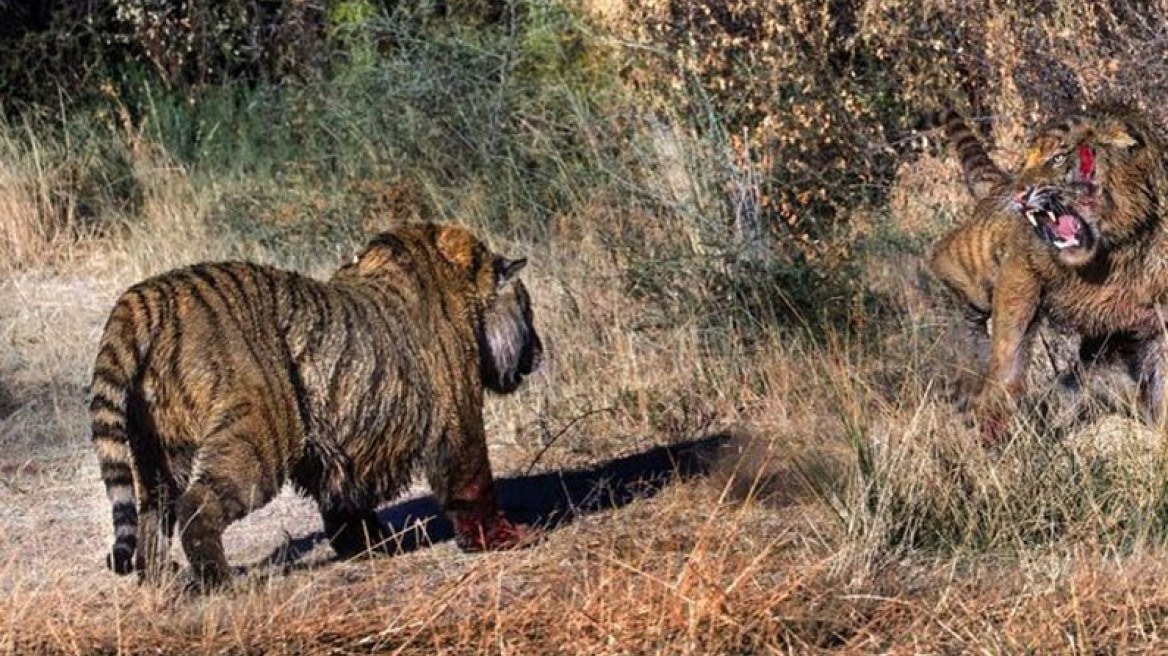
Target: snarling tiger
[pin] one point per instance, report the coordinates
(1091, 193)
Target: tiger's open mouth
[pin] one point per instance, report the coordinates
(1062, 222)
(1065, 214)
(1059, 226)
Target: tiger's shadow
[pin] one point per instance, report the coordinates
(547, 500)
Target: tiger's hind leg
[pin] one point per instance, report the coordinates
(350, 522)
(157, 493)
(235, 472)
(969, 377)
(156, 526)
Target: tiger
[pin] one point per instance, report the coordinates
(1090, 193)
(967, 259)
(215, 384)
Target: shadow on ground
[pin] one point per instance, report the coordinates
(548, 501)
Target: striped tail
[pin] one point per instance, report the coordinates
(981, 174)
(114, 372)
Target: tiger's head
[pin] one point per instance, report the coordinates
(486, 286)
(1089, 184)
(509, 346)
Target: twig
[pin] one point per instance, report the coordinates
(575, 420)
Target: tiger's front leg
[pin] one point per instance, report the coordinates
(1016, 302)
(356, 532)
(479, 525)
(460, 476)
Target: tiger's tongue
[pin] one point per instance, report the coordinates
(1066, 227)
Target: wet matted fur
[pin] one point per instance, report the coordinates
(1095, 254)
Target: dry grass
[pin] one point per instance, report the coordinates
(36, 217)
(844, 506)
(850, 512)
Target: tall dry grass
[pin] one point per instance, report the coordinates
(722, 244)
(37, 214)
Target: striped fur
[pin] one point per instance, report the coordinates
(967, 259)
(215, 384)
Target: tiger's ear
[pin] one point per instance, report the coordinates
(508, 269)
(354, 263)
(1119, 134)
(457, 246)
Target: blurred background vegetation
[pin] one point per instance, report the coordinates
(741, 154)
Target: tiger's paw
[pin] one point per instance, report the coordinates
(491, 533)
(992, 419)
(120, 559)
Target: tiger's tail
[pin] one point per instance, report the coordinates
(981, 174)
(115, 371)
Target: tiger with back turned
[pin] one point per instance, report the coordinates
(215, 384)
